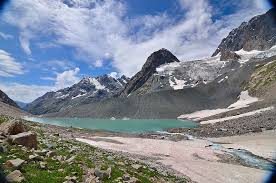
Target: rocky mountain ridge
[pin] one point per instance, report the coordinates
(5, 99)
(89, 89)
(160, 57)
(257, 34)
(166, 87)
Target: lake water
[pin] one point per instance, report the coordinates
(118, 125)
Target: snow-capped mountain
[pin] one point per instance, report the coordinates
(89, 89)
(166, 87)
(256, 34)
(160, 57)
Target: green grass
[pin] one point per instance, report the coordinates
(3, 119)
(262, 78)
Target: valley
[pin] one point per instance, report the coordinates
(208, 120)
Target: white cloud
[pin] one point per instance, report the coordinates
(95, 28)
(5, 36)
(24, 93)
(87, 27)
(28, 93)
(98, 63)
(114, 74)
(59, 65)
(9, 67)
(67, 78)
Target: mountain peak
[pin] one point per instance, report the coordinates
(256, 34)
(157, 58)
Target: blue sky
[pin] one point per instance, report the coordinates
(48, 45)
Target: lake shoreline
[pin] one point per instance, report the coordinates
(199, 152)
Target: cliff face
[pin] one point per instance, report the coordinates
(257, 34)
(5, 99)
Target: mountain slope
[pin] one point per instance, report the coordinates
(5, 99)
(156, 59)
(168, 88)
(257, 34)
(219, 93)
(88, 90)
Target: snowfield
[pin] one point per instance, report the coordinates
(244, 101)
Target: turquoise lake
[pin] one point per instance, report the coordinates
(118, 125)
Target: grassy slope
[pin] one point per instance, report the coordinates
(263, 78)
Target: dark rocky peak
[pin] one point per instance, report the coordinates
(5, 99)
(156, 59)
(227, 55)
(160, 57)
(257, 34)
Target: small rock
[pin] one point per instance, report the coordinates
(59, 158)
(51, 146)
(108, 172)
(15, 176)
(35, 157)
(60, 170)
(92, 179)
(56, 134)
(121, 163)
(27, 139)
(257, 130)
(110, 158)
(16, 163)
(72, 179)
(43, 165)
(136, 166)
(70, 159)
(133, 180)
(223, 129)
(126, 177)
(2, 149)
(42, 152)
(51, 154)
(73, 150)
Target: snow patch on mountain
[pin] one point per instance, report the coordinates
(177, 84)
(244, 100)
(79, 95)
(97, 84)
(226, 77)
(62, 96)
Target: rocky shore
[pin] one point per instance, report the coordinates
(248, 124)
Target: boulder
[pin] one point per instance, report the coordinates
(15, 176)
(27, 139)
(12, 127)
(15, 163)
(103, 174)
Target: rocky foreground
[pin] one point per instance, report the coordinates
(29, 153)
